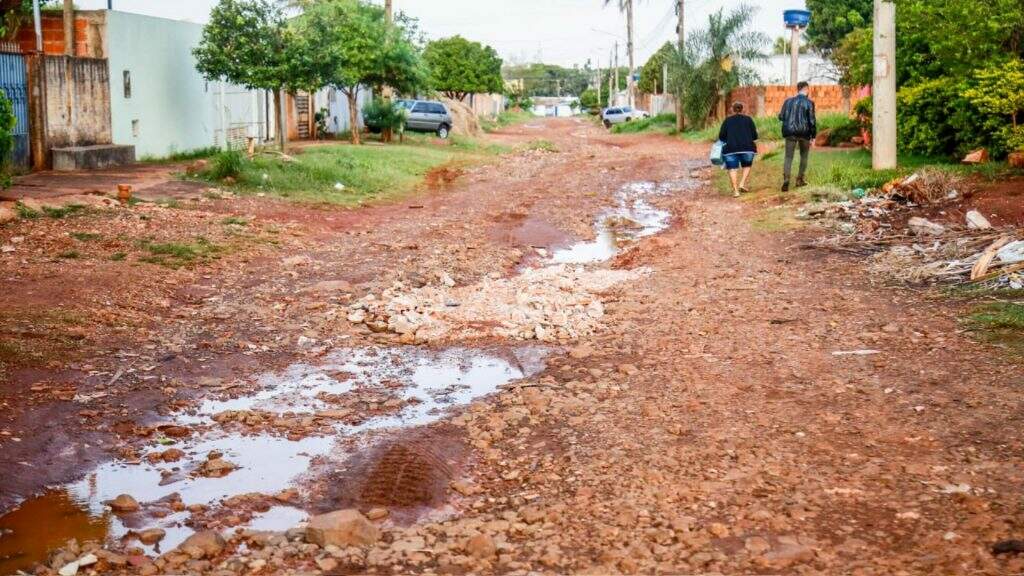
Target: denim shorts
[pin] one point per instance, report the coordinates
(737, 159)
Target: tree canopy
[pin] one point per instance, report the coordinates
(652, 72)
(832, 20)
(459, 67)
(348, 44)
(245, 42)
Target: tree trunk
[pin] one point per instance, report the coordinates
(279, 119)
(353, 113)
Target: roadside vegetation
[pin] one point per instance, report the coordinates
(342, 174)
(507, 118)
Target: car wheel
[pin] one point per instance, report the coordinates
(607, 124)
(442, 131)
(629, 118)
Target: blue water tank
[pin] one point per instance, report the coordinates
(797, 18)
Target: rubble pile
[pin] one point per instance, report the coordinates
(549, 304)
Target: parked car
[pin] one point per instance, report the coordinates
(620, 114)
(428, 116)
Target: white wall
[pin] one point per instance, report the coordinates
(171, 107)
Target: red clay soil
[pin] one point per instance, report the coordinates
(723, 422)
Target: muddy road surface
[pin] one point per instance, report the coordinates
(572, 361)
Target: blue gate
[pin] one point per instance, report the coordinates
(14, 83)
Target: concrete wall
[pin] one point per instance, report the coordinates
(77, 101)
(171, 108)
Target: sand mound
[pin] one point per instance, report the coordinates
(466, 122)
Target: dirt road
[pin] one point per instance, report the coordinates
(503, 385)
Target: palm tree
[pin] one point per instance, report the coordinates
(717, 59)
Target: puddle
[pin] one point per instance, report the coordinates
(633, 217)
(429, 382)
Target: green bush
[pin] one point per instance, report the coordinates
(7, 123)
(936, 120)
(381, 115)
(227, 163)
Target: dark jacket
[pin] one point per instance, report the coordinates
(739, 134)
(798, 119)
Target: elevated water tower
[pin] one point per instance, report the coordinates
(797, 21)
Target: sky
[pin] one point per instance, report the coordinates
(564, 32)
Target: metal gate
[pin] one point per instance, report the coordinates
(14, 84)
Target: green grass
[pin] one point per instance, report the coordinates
(833, 172)
(661, 124)
(177, 254)
(85, 236)
(70, 255)
(63, 211)
(1001, 322)
(506, 118)
(26, 213)
(235, 221)
(118, 256)
(183, 156)
(365, 173)
(768, 127)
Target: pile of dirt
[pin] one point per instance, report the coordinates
(465, 121)
(554, 303)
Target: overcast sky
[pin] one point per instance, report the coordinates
(553, 31)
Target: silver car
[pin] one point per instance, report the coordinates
(428, 116)
(620, 114)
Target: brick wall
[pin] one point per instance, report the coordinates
(768, 100)
(89, 30)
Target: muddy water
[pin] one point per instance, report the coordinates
(429, 384)
(633, 217)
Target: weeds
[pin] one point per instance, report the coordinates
(63, 211)
(183, 156)
(225, 164)
(177, 254)
(235, 221)
(69, 255)
(541, 145)
(506, 118)
(662, 123)
(1001, 322)
(118, 256)
(86, 236)
(26, 213)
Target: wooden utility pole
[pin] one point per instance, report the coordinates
(611, 75)
(681, 32)
(883, 140)
(630, 45)
(69, 27)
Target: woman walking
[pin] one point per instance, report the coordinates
(740, 136)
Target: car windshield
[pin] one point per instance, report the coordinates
(407, 104)
(627, 109)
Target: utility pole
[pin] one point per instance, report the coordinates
(681, 31)
(883, 141)
(611, 64)
(632, 55)
(664, 78)
(616, 70)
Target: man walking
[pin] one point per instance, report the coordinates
(799, 128)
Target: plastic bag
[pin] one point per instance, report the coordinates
(716, 153)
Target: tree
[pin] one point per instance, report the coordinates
(832, 20)
(247, 42)
(459, 67)
(853, 58)
(999, 91)
(588, 99)
(714, 61)
(651, 75)
(348, 44)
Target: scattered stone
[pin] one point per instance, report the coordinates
(481, 546)
(1008, 547)
(124, 504)
(151, 536)
(217, 468)
(342, 528)
(975, 221)
(205, 544)
(377, 513)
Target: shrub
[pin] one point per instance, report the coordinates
(935, 119)
(382, 115)
(7, 124)
(227, 163)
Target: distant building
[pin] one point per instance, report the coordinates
(813, 69)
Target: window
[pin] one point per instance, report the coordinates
(437, 109)
(627, 109)
(421, 107)
(614, 111)
(127, 84)
(135, 128)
